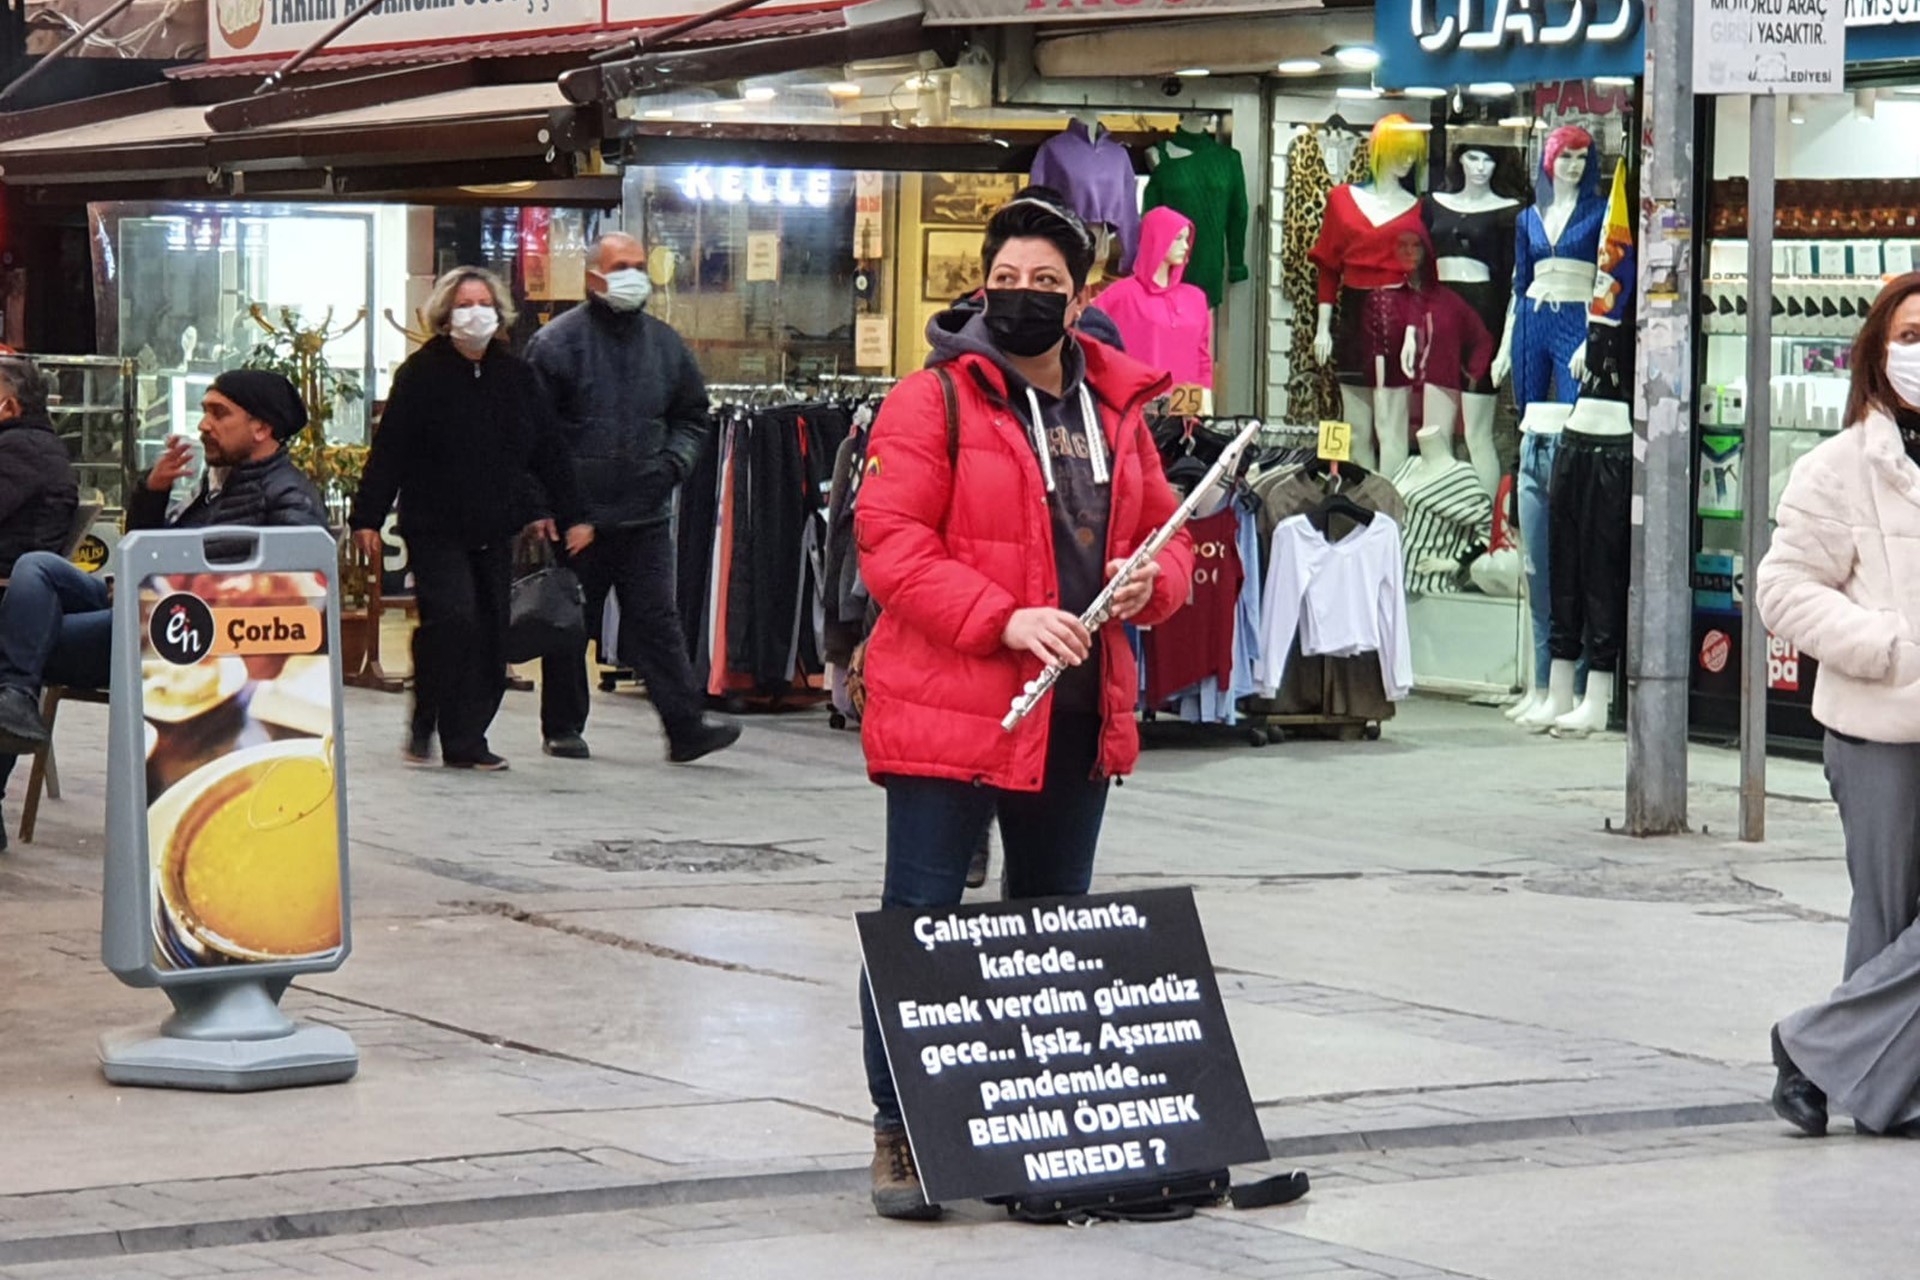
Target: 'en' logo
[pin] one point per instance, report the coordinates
(181, 629)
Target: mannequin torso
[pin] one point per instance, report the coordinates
(1567, 244)
(1381, 204)
(1473, 204)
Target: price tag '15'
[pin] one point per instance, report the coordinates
(1336, 441)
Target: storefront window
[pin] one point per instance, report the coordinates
(1454, 278)
(1845, 221)
(754, 267)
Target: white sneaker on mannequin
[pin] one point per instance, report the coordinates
(1525, 704)
(1591, 715)
(1558, 702)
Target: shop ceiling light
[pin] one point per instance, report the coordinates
(1347, 91)
(760, 93)
(1309, 66)
(1491, 89)
(1194, 73)
(1357, 57)
(844, 89)
(731, 108)
(659, 113)
(1423, 91)
(1796, 108)
(1517, 122)
(1614, 82)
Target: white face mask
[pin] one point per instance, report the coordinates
(1903, 371)
(627, 289)
(474, 326)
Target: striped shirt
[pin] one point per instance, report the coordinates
(1447, 512)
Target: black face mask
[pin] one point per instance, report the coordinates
(1026, 322)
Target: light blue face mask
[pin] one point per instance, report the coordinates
(627, 289)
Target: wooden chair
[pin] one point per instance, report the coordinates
(46, 773)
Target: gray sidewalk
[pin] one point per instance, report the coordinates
(615, 987)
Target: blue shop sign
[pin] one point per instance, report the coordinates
(1882, 30)
(1456, 42)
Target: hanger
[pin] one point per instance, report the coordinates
(1338, 503)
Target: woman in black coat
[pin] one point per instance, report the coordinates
(464, 427)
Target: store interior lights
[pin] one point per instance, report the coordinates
(1423, 91)
(659, 113)
(1614, 82)
(844, 89)
(731, 108)
(1796, 109)
(1490, 89)
(1307, 67)
(1357, 57)
(1356, 94)
(1517, 122)
(760, 93)
(1194, 73)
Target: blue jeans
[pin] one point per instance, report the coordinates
(56, 625)
(1047, 838)
(1537, 453)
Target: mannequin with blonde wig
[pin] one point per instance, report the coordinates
(1376, 371)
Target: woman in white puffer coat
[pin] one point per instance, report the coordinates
(1842, 583)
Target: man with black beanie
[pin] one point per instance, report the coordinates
(56, 620)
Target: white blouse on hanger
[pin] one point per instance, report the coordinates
(1343, 598)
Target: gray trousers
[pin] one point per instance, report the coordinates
(1862, 1045)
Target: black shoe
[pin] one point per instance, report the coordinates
(485, 762)
(418, 748)
(1796, 1099)
(1908, 1129)
(22, 732)
(568, 747)
(977, 869)
(711, 734)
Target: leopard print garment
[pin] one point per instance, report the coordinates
(1305, 206)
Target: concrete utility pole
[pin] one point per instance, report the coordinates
(1660, 603)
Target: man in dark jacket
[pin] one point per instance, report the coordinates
(38, 493)
(632, 406)
(56, 621)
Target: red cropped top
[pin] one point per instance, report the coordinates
(1354, 253)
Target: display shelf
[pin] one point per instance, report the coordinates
(91, 407)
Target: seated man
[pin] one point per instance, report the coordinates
(38, 492)
(56, 622)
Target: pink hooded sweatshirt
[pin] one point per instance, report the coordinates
(1166, 328)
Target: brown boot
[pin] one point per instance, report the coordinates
(896, 1183)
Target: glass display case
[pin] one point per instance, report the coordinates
(92, 405)
(177, 285)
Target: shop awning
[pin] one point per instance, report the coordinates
(751, 27)
(418, 125)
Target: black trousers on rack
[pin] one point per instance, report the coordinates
(781, 479)
(637, 565)
(459, 648)
(1590, 547)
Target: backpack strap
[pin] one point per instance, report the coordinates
(950, 397)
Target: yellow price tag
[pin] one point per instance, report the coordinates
(1336, 441)
(1190, 401)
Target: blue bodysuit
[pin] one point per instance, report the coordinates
(1546, 334)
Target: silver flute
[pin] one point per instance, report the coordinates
(1099, 612)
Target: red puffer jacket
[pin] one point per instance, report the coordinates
(950, 550)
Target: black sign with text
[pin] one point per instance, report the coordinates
(1058, 1044)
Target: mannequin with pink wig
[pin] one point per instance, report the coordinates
(1556, 261)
